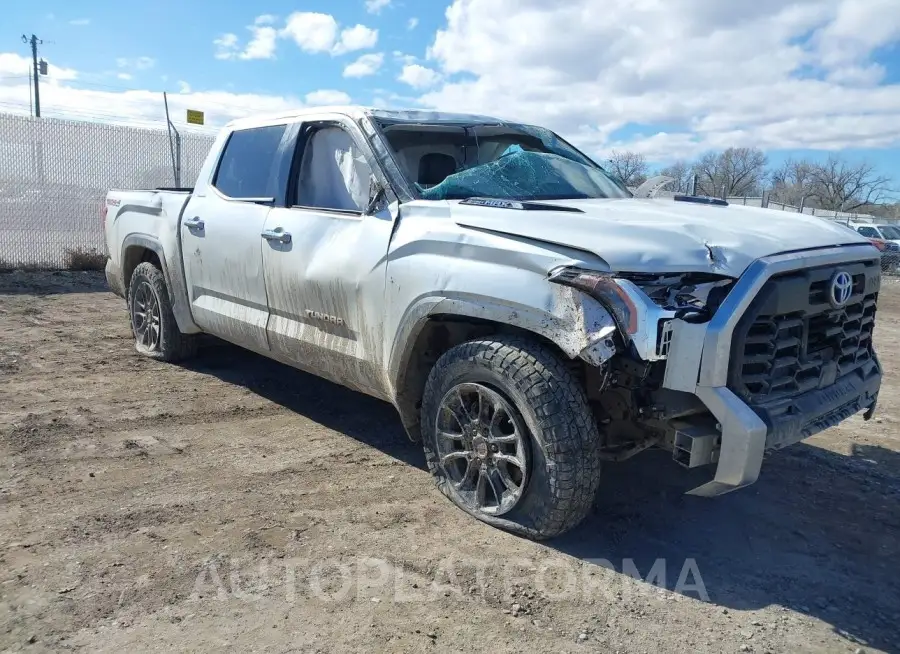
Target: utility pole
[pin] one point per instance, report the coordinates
(39, 69)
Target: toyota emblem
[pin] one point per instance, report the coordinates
(841, 288)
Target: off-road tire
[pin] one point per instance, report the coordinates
(564, 470)
(172, 345)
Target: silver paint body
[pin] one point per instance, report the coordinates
(346, 297)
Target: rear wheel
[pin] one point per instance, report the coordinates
(509, 436)
(156, 333)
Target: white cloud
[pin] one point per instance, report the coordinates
(419, 77)
(354, 38)
(124, 76)
(312, 32)
(226, 46)
(141, 107)
(402, 58)
(366, 65)
(327, 97)
(262, 46)
(80, 22)
(412, 23)
(15, 68)
(375, 6)
(746, 72)
(140, 63)
(317, 33)
(63, 97)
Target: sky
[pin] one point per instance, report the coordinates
(667, 78)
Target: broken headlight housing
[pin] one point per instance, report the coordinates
(693, 297)
(645, 304)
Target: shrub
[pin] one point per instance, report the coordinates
(79, 259)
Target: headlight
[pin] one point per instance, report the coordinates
(694, 297)
(644, 304)
(601, 286)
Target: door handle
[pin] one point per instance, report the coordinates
(276, 235)
(193, 223)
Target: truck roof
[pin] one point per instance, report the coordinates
(357, 112)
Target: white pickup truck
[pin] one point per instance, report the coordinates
(528, 317)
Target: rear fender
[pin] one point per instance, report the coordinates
(178, 294)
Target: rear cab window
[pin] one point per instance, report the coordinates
(245, 167)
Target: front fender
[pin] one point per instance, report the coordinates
(575, 322)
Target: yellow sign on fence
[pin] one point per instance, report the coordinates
(195, 117)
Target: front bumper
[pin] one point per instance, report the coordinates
(698, 363)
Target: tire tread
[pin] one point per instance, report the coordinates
(568, 432)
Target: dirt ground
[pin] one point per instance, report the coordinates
(236, 504)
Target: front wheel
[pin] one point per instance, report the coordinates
(509, 436)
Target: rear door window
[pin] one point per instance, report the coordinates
(245, 169)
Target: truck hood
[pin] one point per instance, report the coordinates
(662, 235)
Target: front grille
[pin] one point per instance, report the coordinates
(792, 340)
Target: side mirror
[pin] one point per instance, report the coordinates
(377, 196)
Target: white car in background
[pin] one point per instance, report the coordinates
(884, 237)
(890, 233)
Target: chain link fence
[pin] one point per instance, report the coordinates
(54, 175)
(765, 202)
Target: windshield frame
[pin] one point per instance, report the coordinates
(410, 189)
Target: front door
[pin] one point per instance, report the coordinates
(324, 262)
(221, 239)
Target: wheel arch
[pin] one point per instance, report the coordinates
(436, 324)
(138, 248)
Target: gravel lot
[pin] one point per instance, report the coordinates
(236, 504)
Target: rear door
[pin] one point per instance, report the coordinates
(221, 242)
(324, 259)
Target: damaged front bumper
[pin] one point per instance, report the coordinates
(699, 357)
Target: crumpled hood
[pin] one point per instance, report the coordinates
(662, 235)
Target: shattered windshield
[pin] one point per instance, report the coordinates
(510, 162)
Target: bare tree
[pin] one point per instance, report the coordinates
(630, 167)
(792, 182)
(841, 186)
(889, 211)
(736, 171)
(683, 175)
